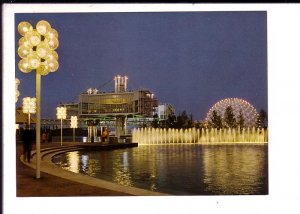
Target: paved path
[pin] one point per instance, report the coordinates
(49, 185)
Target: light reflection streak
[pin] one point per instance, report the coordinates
(179, 168)
(84, 162)
(73, 158)
(122, 175)
(233, 165)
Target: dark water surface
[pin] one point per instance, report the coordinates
(185, 169)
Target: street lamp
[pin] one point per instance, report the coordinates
(37, 52)
(61, 113)
(29, 107)
(74, 124)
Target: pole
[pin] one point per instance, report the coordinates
(61, 131)
(38, 124)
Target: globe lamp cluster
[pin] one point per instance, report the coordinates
(37, 48)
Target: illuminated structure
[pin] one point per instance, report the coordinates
(61, 113)
(116, 107)
(37, 52)
(29, 107)
(247, 110)
(164, 110)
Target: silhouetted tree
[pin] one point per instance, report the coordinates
(262, 119)
(171, 121)
(230, 121)
(155, 122)
(182, 120)
(190, 122)
(199, 125)
(215, 120)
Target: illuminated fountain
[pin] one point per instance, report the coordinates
(203, 136)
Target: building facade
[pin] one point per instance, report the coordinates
(98, 108)
(164, 110)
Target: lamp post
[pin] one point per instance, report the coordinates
(37, 50)
(29, 107)
(61, 113)
(74, 124)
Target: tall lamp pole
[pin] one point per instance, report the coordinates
(37, 50)
(74, 124)
(29, 107)
(61, 113)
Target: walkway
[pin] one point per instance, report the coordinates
(49, 185)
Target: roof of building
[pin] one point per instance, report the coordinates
(23, 118)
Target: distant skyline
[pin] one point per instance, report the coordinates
(188, 59)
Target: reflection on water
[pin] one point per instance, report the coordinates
(178, 169)
(74, 161)
(234, 170)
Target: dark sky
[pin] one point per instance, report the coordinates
(188, 59)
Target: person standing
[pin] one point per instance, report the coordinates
(27, 138)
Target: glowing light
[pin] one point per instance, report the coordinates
(89, 91)
(52, 64)
(74, 122)
(238, 105)
(24, 51)
(61, 112)
(43, 27)
(33, 50)
(33, 37)
(24, 27)
(53, 43)
(52, 55)
(201, 136)
(52, 33)
(24, 65)
(29, 105)
(42, 50)
(36, 48)
(92, 91)
(74, 161)
(34, 60)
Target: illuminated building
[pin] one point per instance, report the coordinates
(95, 106)
(163, 111)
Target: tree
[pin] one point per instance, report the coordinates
(262, 119)
(240, 120)
(171, 121)
(229, 119)
(182, 120)
(155, 122)
(190, 122)
(215, 120)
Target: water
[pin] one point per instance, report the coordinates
(181, 169)
(201, 136)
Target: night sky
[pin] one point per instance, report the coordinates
(189, 59)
